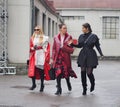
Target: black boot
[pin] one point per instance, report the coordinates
(59, 91)
(42, 88)
(42, 84)
(33, 84)
(69, 84)
(33, 87)
(42, 80)
(84, 91)
(92, 81)
(84, 82)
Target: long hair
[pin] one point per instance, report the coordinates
(40, 31)
(87, 26)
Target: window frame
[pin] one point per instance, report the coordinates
(116, 28)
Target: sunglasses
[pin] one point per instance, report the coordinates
(36, 29)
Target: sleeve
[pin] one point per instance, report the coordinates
(31, 45)
(68, 48)
(97, 44)
(48, 53)
(79, 45)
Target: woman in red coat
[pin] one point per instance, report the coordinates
(39, 58)
(61, 58)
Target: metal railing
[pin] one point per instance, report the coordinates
(4, 68)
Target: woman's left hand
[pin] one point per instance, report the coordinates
(70, 42)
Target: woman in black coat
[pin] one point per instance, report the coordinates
(87, 58)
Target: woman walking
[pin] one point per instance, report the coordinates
(39, 58)
(61, 58)
(87, 58)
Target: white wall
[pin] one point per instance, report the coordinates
(110, 47)
(19, 30)
(42, 10)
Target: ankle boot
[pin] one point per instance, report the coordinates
(34, 84)
(59, 91)
(33, 87)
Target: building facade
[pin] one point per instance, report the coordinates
(23, 16)
(103, 17)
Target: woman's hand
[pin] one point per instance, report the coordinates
(52, 63)
(35, 47)
(70, 42)
(101, 57)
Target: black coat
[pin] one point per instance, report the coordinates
(87, 56)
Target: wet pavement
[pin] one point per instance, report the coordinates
(14, 90)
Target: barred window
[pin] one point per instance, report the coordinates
(110, 27)
(73, 17)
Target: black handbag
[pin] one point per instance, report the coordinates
(52, 73)
(28, 62)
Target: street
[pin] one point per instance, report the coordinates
(14, 90)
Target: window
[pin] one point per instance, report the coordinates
(110, 27)
(36, 16)
(53, 28)
(56, 28)
(73, 17)
(44, 23)
(49, 26)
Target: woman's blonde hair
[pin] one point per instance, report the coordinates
(40, 31)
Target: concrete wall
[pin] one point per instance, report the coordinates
(19, 27)
(53, 20)
(19, 30)
(52, 17)
(110, 47)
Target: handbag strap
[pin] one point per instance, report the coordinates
(88, 38)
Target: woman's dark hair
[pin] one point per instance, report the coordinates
(87, 26)
(61, 25)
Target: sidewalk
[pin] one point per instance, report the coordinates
(14, 90)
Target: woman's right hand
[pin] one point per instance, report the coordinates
(35, 47)
(101, 57)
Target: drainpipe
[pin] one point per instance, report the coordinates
(32, 15)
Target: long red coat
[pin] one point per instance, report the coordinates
(32, 71)
(55, 52)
